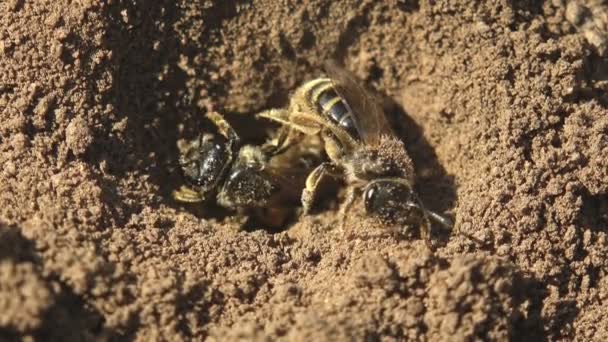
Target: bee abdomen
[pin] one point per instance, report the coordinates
(331, 105)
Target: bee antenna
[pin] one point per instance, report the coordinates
(444, 221)
(171, 164)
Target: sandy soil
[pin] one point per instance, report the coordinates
(505, 116)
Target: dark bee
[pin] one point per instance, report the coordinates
(244, 177)
(361, 145)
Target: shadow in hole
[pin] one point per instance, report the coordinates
(435, 187)
(596, 67)
(533, 325)
(199, 301)
(252, 131)
(408, 5)
(70, 318)
(593, 78)
(150, 99)
(594, 211)
(15, 247)
(350, 34)
(528, 325)
(146, 106)
(566, 313)
(524, 11)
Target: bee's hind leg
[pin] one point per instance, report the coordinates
(187, 195)
(277, 115)
(280, 143)
(313, 182)
(223, 126)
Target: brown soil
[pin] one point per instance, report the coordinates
(504, 113)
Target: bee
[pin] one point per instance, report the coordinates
(247, 178)
(362, 148)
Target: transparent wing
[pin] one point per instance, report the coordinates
(290, 169)
(369, 117)
(289, 182)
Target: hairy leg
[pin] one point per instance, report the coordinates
(223, 126)
(187, 195)
(313, 181)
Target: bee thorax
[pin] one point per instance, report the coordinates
(386, 159)
(246, 187)
(252, 156)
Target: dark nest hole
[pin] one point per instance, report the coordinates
(162, 112)
(254, 131)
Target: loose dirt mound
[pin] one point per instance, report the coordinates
(503, 107)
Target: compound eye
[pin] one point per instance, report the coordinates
(370, 198)
(388, 200)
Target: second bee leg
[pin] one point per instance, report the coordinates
(314, 179)
(187, 195)
(353, 193)
(283, 141)
(223, 126)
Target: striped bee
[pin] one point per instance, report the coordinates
(362, 148)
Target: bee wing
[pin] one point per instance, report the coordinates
(368, 113)
(289, 181)
(291, 168)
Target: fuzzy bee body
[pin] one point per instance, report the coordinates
(361, 146)
(218, 167)
(322, 93)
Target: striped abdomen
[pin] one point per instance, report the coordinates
(322, 94)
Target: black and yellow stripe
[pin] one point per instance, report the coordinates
(328, 103)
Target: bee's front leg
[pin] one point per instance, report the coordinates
(187, 195)
(280, 143)
(313, 182)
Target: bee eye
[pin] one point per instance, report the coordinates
(374, 198)
(369, 197)
(387, 199)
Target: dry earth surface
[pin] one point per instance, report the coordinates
(502, 104)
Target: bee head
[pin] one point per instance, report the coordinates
(203, 162)
(394, 201)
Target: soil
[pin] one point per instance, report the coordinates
(503, 106)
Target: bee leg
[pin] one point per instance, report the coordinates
(428, 215)
(333, 146)
(287, 135)
(353, 193)
(444, 221)
(281, 143)
(309, 195)
(223, 126)
(300, 121)
(425, 225)
(410, 200)
(187, 195)
(277, 115)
